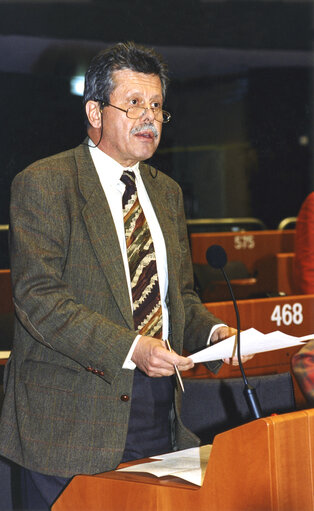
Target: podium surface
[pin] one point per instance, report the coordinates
(265, 465)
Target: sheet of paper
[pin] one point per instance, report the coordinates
(252, 341)
(188, 464)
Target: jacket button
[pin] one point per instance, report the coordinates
(124, 397)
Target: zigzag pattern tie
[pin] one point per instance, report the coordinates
(147, 311)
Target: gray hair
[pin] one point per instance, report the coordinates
(99, 83)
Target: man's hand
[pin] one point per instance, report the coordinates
(223, 333)
(152, 357)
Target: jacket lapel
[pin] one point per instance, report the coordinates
(102, 232)
(162, 205)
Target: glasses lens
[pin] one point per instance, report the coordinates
(135, 112)
(165, 116)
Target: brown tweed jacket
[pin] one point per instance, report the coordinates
(64, 412)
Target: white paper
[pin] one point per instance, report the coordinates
(188, 464)
(252, 341)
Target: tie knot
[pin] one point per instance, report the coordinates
(130, 192)
(128, 178)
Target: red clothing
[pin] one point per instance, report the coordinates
(304, 247)
(303, 368)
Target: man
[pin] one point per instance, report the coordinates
(74, 402)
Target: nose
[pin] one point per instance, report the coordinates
(148, 115)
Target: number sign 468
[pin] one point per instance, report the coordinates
(287, 314)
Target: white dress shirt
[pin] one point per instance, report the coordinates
(110, 172)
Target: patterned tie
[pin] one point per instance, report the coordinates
(147, 311)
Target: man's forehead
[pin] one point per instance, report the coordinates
(127, 79)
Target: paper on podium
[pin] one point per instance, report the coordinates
(252, 341)
(188, 464)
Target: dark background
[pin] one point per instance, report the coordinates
(241, 94)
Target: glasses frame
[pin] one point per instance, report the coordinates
(164, 112)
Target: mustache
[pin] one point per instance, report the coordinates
(150, 126)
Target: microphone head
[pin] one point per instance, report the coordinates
(216, 256)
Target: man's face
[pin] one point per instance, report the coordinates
(131, 140)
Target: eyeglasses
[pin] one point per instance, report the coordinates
(135, 112)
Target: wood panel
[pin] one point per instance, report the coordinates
(285, 273)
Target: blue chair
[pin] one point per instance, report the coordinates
(211, 406)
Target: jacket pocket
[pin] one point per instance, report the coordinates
(45, 374)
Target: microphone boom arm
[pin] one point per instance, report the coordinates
(249, 391)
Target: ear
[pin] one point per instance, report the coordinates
(93, 113)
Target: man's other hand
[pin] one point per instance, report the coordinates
(223, 333)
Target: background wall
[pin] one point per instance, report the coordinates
(241, 137)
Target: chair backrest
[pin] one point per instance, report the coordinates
(225, 224)
(211, 406)
(207, 280)
(205, 274)
(287, 223)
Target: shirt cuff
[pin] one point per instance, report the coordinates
(128, 363)
(212, 331)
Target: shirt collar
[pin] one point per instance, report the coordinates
(109, 168)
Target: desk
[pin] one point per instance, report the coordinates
(6, 311)
(249, 247)
(293, 315)
(6, 303)
(256, 249)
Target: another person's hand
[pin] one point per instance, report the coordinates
(153, 358)
(223, 333)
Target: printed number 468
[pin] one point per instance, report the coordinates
(287, 314)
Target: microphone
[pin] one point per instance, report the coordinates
(217, 258)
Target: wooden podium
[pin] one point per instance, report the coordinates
(265, 465)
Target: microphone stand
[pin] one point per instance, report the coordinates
(248, 391)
